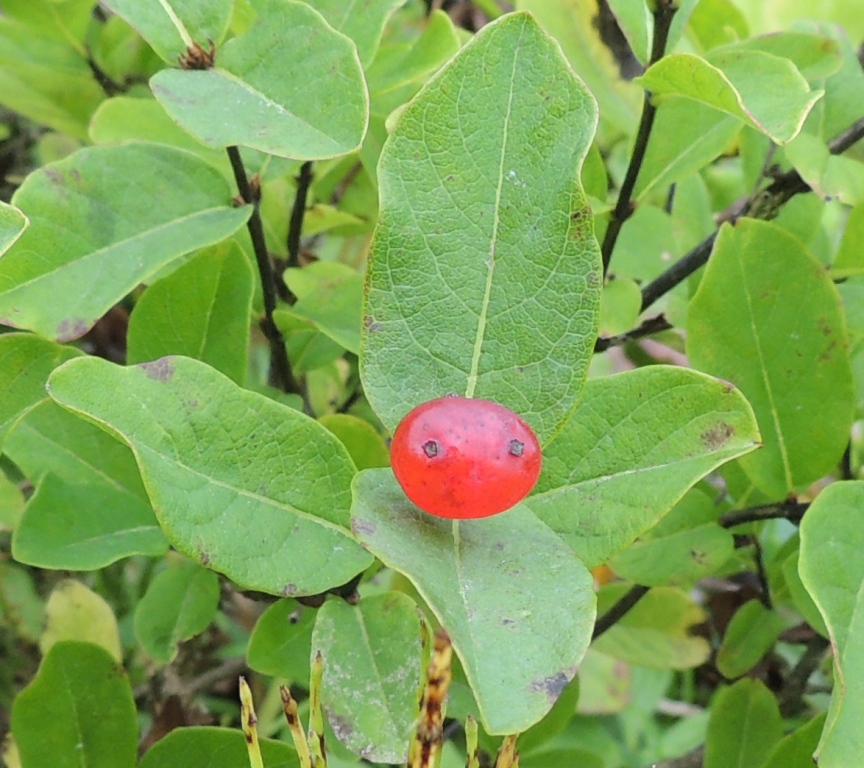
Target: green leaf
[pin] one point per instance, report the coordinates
(361, 20)
(750, 635)
(637, 442)
(170, 26)
(114, 233)
(331, 299)
(510, 594)
(362, 440)
(687, 135)
(572, 23)
(205, 747)
(815, 56)
(830, 176)
(682, 548)
(273, 88)
(65, 20)
(371, 655)
(767, 318)
(240, 483)
(201, 310)
(485, 274)
(46, 79)
(12, 225)
(77, 711)
(656, 632)
(745, 725)
(850, 253)
(11, 504)
(795, 750)
(25, 363)
(282, 641)
(763, 90)
(800, 596)
(717, 22)
(84, 527)
(22, 608)
(74, 612)
(636, 23)
(832, 569)
(308, 348)
(179, 604)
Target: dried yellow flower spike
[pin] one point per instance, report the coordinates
(430, 728)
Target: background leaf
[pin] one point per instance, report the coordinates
(201, 310)
(832, 569)
(282, 641)
(483, 580)
(362, 20)
(750, 635)
(274, 88)
(371, 655)
(206, 747)
(180, 603)
(767, 318)
(176, 204)
(636, 443)
(240, 483)
(78, 710)
(12, 224)
(484, 278)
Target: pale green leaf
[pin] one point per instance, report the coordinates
(282, 641)
(201, 310)
(371, 655)
(179, 603)
(832, 569)
(115, 232)
(362, 20)
(12, 225)
(761, 89)
(240, 483)
(830, 176)
(362, 440)
(290, 86)
(485, 273)
(636, 23)
(74, 612)
(767, 318)
(77, 711)
(482, 580)
(635, 444)
(208, 747)
(171, 26)
(656, 632)
(795, 750)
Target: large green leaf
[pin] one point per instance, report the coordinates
(200, 310)
(102, 221)
(636, 443)
(485, 274)
(170, 26)
(239, 482)
(761, 89)
(74, 612)
(832, 569)
(206, 747)
(767, 318)
(518, 605)
(371, 655)
(291, 86)
(179, 604)
(362, 20)
(795, 750)
(745, 725)
(12, 224)
(25, 363)
(750, 635)
(77, 711)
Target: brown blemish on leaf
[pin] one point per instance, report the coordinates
(552, 685)
(160, 370)
(289, 590)
(372, 326)
(360, 526)
(204, 558)
(68, 330)
(717, 436)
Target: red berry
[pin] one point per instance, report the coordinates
(462, 458)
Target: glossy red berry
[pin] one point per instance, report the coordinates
(462, 458)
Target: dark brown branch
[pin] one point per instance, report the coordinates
(648, 327)
(280, 367)
(790, 510)
(763, 205)
(663, 15)
(795, 684)
(295, 226)
(619, 610)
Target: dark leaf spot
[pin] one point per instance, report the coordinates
(551, 686)
(68, 330)
(289, 590)
(359, 526)
(204, 558)
(160, 370)
(717, 436)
